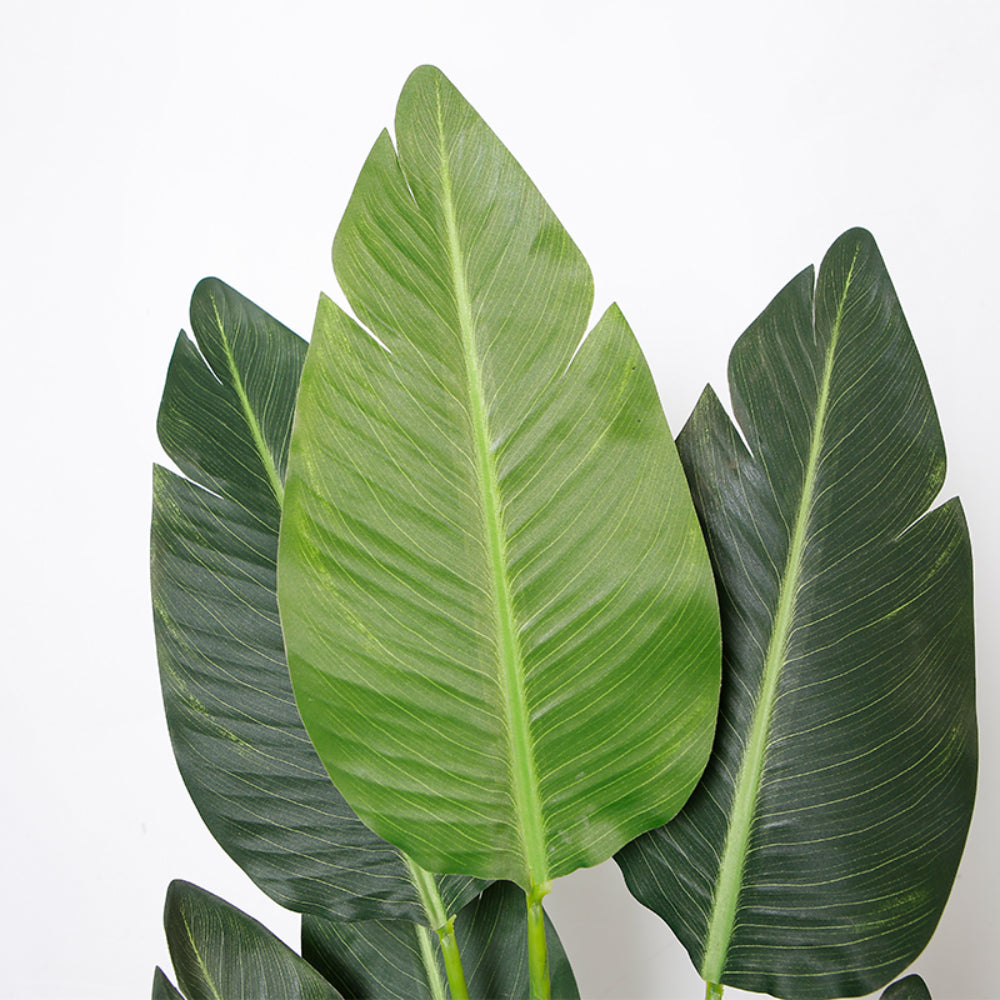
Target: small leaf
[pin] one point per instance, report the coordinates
(909, 988)
(220, 953)
(501, 621)
(239, 742)
(383, 960)
(816, 855)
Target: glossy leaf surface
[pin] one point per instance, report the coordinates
(220, 953)
(489, 562)
(239, 742)
(383, 961)
(816, 855)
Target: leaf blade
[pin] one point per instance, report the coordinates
(908, 988)
(219, 952)
(798, 867)
(468, 490)
(239, 742)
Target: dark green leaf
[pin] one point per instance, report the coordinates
(219, 953)
(388, 959)
(492, 932)
(381, 960)
(163, 989)
(489, 563)
(240, 745)
(910, 988)
(817, 854)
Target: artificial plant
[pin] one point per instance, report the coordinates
(499, 610)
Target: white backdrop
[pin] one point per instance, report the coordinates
(700, 155)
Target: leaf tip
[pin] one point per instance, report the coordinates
(854, 242)
(708, 402)
(208, 287)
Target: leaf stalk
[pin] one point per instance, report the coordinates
(538, 952)
(453, 961)
(437, 916)
(433, 971)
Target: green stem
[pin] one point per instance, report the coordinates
(438, 918)
(538, 952)
(453, 961)
(427, 890)
(713, 991)
(427, 954)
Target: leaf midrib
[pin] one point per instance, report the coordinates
(729, 881)
(202, 964)
(437, 916)
(256, 432)
(523, 773)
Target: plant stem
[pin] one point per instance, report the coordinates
(713, 991)
(453, 961)
(427, 954)
(438, 918)
(538, 952)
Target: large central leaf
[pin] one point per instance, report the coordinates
(500, 618)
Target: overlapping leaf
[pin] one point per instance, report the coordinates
(247, 761)
(489, 562)
(220, 953)
(816, 855)
(386, 960)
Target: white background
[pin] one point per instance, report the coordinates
(700, 155)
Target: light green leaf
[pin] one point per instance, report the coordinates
(501, 622)
(220, 953)
(815, 857)
(384, 960)
(240, 745)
